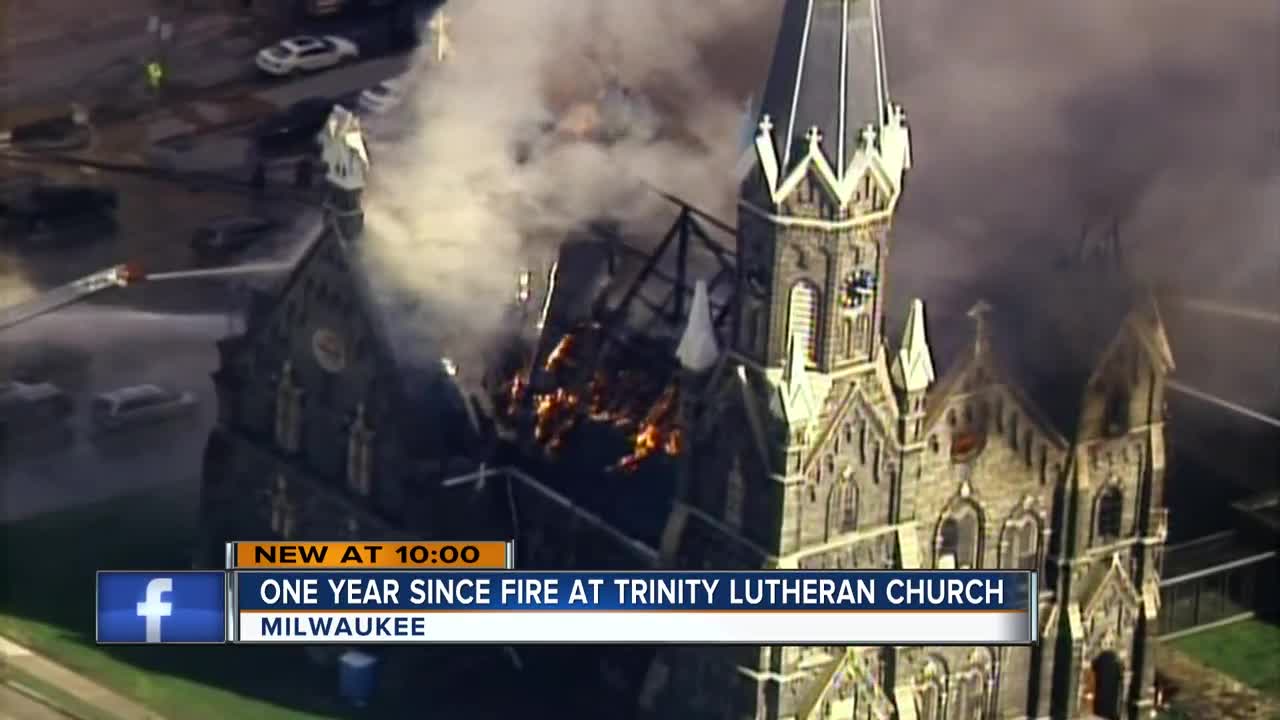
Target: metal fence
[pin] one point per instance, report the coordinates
(1214, 581)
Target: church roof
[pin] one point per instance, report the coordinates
(620, 312)
(1051, 339)
(828, 72)
(1049, 331)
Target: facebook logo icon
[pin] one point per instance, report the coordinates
(162, 607)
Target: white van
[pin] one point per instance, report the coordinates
(139, 405)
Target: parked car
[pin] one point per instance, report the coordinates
(305, 53)
(383, 97)
(230, 234)
(61, 133)
(139, 405)
(32, 412)
(48, 215)
(295, 129)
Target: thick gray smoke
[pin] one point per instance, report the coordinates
(88, 350)
(473, 183)
(1031, 119)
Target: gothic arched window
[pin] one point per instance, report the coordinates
(1117, 411)
(846, 336)
(288, 420)
(930, 692)
(849, 508)
(1022, 543)
(971, 696)
(802, 318)
(735, 496)
(1110, 513)
(360, 454)
(959, 538)
(282, 512)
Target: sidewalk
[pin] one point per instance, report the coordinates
(72, 683)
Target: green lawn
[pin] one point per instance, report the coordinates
(1248, 651)
(47, 567)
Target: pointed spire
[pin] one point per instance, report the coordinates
(796, 360)
(981, 328)
(827, 71)
(913, 367)
(698, 350)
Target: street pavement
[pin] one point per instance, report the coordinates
(56, 53)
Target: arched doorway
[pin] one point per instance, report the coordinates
(1103, 685)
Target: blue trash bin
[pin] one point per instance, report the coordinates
(357, 672)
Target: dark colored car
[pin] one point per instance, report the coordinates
(229, 235)
(48, 215)
(57, 133)
(294, 130)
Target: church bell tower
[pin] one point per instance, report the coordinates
(831, 152)
(804, 375)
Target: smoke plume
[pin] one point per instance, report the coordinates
(496, 152)
(1031, 119)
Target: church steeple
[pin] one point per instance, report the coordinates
(830, 154)
(827, 102)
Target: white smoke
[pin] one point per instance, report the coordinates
(452, 214)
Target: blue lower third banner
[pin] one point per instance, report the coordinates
(162, 607)
(778, 607)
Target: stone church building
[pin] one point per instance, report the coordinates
(796, 434)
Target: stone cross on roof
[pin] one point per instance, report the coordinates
(868, 136)
(766, 124)
(981, 330)
(814, 136)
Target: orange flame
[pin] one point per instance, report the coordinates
(560, 353)
(657, 432)
(622, 400)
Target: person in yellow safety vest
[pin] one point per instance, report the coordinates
(155, 74)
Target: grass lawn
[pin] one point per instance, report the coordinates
(1248, 651)
(47, 567)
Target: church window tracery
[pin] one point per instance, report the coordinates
(971, 695)
(1022, 543)
(288, 421)
(360, 454)
(849, 508)
(930, 692)
(282, 511)
(1117, 411)
(803, 318)
(735, 495)
(1110, 513)
(959, 538)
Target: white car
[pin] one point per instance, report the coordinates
(305, 53)
(33, 403)
(384, 96)
(139, 405)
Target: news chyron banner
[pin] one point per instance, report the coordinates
(468, 593)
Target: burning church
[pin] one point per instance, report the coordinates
(757, 418)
